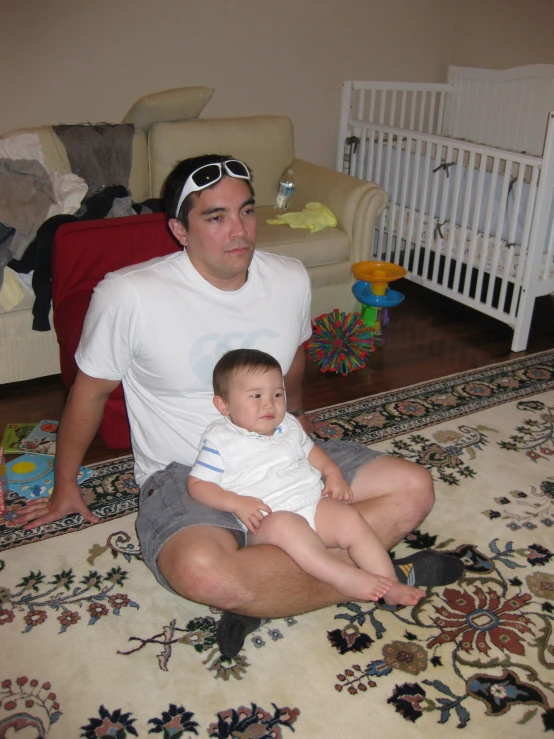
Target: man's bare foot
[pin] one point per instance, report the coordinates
(361, 585)
(402, 595)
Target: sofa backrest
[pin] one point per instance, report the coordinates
(264, 143)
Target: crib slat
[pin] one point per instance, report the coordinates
(389, 179)
(371, 116)
(371, 171)
(422, 110)
(403, 108)
(517, 189)
(412, 205)
(388, 157)
(413, 107)
(378, 178)
(432, 209)
(440, 121)
(359, 171)
(396, 147)
(457, 156)
(498, 245)
(430, 120)
(526, 235)
(420, 270)
(404, 178)
(361, 103)
(474, 228)
(458, 284)
(392, 108)
(486, 229)
(444, 183)
(382, 106)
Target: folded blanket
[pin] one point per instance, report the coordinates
(315, 216)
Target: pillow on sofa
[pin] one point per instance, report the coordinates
(179, 104)
(264, 142)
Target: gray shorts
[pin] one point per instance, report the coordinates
(165, 507)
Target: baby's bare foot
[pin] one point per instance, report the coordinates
(378, 587)
(402, 595)
(364, 586)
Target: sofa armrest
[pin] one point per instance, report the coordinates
(355, 203)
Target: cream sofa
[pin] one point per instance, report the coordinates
(167, 129)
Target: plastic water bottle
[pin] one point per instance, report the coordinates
(286, 189)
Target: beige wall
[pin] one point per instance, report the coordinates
(502, 33)
(70, 61)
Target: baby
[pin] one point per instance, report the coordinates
(258, 463)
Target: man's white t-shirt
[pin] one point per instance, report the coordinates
(160, 328)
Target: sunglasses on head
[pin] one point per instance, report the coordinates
(209, 174)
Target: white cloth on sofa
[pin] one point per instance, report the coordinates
(22, 146)
(69, 191)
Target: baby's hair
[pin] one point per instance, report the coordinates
(240, 359)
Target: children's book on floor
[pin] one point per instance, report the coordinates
(41, 439)
(32, 475)
(14, 435)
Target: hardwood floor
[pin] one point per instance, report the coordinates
(428, 337)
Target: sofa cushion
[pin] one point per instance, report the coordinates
(179, 104)
(139, 184)
(330, 246)
(264, 143)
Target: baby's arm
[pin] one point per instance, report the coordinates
(245, 507)
(335, 484)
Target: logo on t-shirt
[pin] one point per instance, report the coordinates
(209, 348)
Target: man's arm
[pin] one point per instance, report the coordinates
(293, 388)
(78, 425)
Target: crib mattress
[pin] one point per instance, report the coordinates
(508, 259)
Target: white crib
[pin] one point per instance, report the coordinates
(469, 170)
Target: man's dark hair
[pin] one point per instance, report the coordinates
(179, 175)
(240, 359)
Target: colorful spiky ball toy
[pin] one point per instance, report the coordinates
(340, 342)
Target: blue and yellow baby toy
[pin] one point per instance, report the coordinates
(374, 294)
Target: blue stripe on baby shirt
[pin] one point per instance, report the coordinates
(209, 466)
(200, 462)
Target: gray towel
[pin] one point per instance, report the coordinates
(101, 154)
(26, 195)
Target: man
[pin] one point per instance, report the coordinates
(160, 327)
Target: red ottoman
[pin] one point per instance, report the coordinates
(84, 253)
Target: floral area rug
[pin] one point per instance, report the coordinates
(92, 647)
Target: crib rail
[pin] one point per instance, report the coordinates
(461, 217)
(414, 106)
